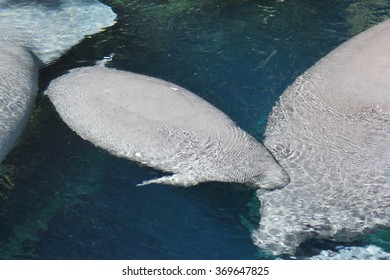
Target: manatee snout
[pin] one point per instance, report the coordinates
(274, 178)
(270, 175)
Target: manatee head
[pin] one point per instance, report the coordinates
(274, 178)
(269, 174)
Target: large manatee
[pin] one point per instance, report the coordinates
(31, 31)
(331, 132)
(161, 125)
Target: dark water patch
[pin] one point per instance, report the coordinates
(151, 222)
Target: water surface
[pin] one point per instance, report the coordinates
(71, 200)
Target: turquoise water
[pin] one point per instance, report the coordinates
(70, 200)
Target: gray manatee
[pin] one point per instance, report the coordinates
(161, 125)
(18, 87)
(49, 28)
(31, 31)
(331, 132)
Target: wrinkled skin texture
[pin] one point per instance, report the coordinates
(50, 27)
(331, 132)
(31, 32)
(18, 87)
(162, 125)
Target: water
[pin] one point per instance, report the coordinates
(70, 200)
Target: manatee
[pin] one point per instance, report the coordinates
(370, 252)
(162, 125)
(49, 28)
(330, 131)
(18, 86)
(34, 33)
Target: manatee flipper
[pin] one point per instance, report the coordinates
(182, 180)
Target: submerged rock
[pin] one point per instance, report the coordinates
(331, 132)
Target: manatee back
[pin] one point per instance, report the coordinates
(18, 87)
(355, 77)
(331, 132)
(128, 113)
(158, 124)
(50, 28)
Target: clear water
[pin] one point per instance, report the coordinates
(70, 200)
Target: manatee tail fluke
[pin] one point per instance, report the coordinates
(182, 180)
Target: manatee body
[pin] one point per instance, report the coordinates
(161, 125)
(31, 32)
(18, 87)
(50, 28)
(331, 132)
